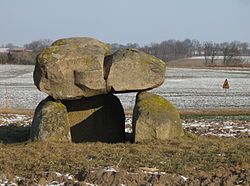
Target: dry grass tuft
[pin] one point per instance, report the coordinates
(183, 156)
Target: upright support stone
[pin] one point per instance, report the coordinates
(50, 122)
(154, 117)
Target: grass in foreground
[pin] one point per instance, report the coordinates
(199, 158)
(185, 156)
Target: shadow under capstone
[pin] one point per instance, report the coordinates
(99, 118)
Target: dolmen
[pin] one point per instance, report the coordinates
(81, 76)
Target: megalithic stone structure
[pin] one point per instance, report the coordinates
(80, 75)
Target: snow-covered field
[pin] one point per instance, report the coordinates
(186, 88)
(202, 88)
(204, 127)
(16, 87)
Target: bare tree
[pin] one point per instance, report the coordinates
(132, 45)
(210, 52)
(39, 45)
(243, 47)
(170, 49)
(11, 46)
(231, 54)
(196, 48)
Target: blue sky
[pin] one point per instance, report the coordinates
(124, 21)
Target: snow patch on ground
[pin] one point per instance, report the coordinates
(207, 127)
(218, 128)
(15, 119)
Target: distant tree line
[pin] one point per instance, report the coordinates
(25, 55)
(229, 52)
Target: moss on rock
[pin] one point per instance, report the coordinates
(154, 117)
(50, 122)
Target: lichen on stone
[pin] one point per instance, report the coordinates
(154, 117)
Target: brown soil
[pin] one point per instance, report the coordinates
(185, 63)
(215, 112)
(16, 111)
(199, 63)
(118, 176)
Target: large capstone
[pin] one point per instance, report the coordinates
(83, 67)
(131, 70)
(50, 122)
(154, 117)
(98, 118)
(72, 68)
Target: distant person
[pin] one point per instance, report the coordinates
(226, 84)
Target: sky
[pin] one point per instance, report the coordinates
(124, 21)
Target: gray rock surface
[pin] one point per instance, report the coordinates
(133, 70)
(83, 67)
(154, 117)
(50, 122)
(72, 68)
